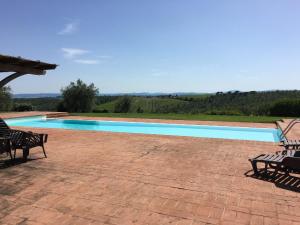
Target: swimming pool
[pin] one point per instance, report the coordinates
(225, 132)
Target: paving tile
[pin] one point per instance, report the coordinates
(270, 221)
(256, 220)
(229, 215)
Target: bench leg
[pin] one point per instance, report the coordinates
(266, 168)
(275, 171)
(44, 151)
(11, 157)
(25, 153)
(254, 166)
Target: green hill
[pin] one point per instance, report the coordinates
(283, 103)
(147, 104)
(229, 103)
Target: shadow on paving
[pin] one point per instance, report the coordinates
(281, 180)
(7, 163)
(16, 175)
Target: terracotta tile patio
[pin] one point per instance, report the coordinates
(117, 178)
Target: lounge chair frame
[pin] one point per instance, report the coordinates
(291, 144)
(24, 140)
(279, 162)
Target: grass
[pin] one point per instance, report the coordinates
(171, 116)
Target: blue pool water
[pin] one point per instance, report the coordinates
(226, 132)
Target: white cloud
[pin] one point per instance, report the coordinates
(71, 53)
(87, 61)
(78, 55)
(69, 28)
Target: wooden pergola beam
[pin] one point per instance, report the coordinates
(10, 78)
(20, 69)
(20, 66)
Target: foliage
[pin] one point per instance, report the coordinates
(40, 104)
(139, 110)
(105, 98)
(286, 108)
(123, 105)
(100, 111)
(22, 107)
(60, 106)
(5, 99)
(79, 97)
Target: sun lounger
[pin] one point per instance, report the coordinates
(291, 144)
(22, 139)
(278, 162)
(291, 153)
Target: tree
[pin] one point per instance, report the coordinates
(290, 107)
(79, 97)
(123, 105)
(5, 99)
(22, 107)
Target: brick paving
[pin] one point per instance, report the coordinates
(118, 178)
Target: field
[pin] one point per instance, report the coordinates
(173, 116)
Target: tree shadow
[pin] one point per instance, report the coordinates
(281, 180)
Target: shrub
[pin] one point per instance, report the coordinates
(79, 97)
(286, 108)
(60, 107)
(22, 107)
(100, 111)
(123, 105)
(139, 110)
(5, 99)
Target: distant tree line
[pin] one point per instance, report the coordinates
(273, 103)
(81, 97)
(286, 107)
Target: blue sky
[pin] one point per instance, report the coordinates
(157, 45)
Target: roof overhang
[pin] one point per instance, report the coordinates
(20, 66)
